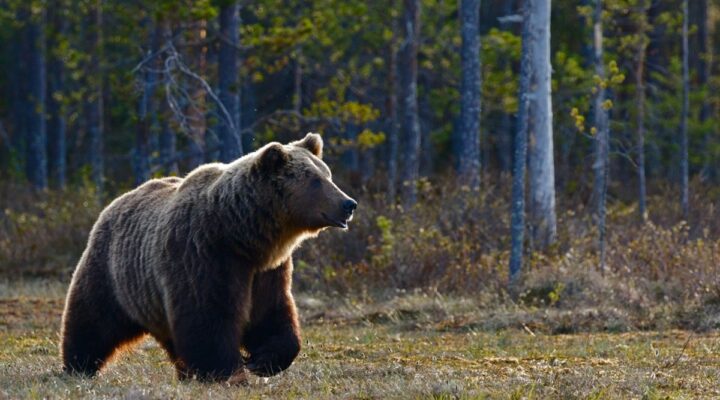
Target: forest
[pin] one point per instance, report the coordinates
(538, 184)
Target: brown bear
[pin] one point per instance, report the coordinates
(204, 264)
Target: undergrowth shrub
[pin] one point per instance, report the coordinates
(453, 242)
(44, 232)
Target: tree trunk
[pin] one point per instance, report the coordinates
(19, 88)
(517, 224)
(195, 111)
(600, 167)
(229, 85)
(94, 104)
(640, 98)
(146, 111)
(392, 122)
(167, 135)
(36, 139)
(469, 135)
(705, 50)
(408, 71)
(684, 167)
(540, 134)
(57, 144)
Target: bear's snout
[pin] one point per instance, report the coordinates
(349, 206)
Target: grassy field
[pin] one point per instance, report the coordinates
(409, 346)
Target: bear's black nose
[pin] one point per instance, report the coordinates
(349, 205)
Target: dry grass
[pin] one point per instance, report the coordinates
(412, 345)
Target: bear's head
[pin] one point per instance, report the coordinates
(313, 201)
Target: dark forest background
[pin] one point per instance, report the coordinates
(489, 143)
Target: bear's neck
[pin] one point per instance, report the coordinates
(250, 222)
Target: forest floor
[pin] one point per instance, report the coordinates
(396, 348)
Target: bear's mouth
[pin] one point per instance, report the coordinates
(336, 222)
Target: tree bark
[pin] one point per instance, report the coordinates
(167, 135)
(602, 135)
(57, 124)
(36, 139)
(146, 111)
(640, 98)
(517, 224)
(392, 121)
(470, 86)
(684, 164)
(408, 71)
(229, 85)
(94, 104)
(543, 223)
(705, 55)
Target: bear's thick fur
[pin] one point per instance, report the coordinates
(204, 265)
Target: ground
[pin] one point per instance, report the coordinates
(397, 348)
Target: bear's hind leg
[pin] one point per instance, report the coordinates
(94, 326)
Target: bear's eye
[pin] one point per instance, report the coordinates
(316, 182)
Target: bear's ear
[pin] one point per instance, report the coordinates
(312, 142)
(273, 157)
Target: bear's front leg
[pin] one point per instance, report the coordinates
(273, 337)
(207, 328)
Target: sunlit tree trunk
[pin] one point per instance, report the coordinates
(640, 98)
(543, 223)
(684, 165)
(517, 222)
(229, 85)
(392, 116)
(408, 71)
(602, 132)
(469, 126)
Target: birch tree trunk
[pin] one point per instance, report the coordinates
(517, 223)
(36, 135)
(229, 85)
(543, 223)
(600, 166)
(684, 167)
(469, 126)
(408, 71)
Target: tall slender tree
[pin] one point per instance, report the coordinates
(684, 164)
(36, 134)
(543, 219)
(640, 54)
(392, 112)
(408, 71)
(57, 123)
(468, 134)
(517, 218)
(602, 131)
(94, 103)
(146, 108)
(229, 85)
(167, 136)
